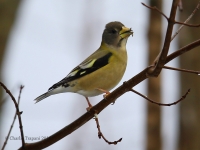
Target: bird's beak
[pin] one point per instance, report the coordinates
(125, 32)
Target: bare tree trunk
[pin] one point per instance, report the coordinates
(190, 108)
(7, 16)
(154, 84)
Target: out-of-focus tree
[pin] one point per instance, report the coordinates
(154, 84)
(8, 10)
(190, 109)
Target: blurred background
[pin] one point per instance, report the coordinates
(42, 41)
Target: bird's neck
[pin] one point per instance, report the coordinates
(112, 48)
(119, 52)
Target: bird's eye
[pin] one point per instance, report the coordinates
(113, 31)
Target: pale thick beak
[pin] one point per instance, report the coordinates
(125, 32)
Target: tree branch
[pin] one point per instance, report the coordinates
(100, 134)
(161, 104)
(4, 145)
(182, 70)
(155, 8)
(195, 10)
(161, 58)
(17, 111)
(183, 50)
(127, 85)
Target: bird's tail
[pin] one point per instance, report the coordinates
(43, 96)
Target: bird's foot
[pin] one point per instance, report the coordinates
(89, 104)
(106, 94)
(104, 91)
(88, 108)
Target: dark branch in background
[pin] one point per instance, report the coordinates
(20, 91)
(100, 134)
(17, 112)
(159, 62)
(176, 22)
(161, 104)
(185, 23)
(195, 10)
(155, 8)
(161, 58)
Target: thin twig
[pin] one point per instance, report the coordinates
(155, 8)
(180, 5)
(100, 134)
(182, 70)
(187, 24)
(183, 50)
(20, 91)
(195, 10)
(176, 22)
(18, 112)
(2, 102)
(161, 104)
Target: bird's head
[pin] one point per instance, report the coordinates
(116, 34)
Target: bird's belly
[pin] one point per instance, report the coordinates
(89, 93)
(106, 81)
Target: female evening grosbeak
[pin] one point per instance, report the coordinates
(102, 70)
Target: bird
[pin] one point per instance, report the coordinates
(101, 71)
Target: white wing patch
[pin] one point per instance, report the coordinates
(87, 64)
(73, 73)
(82, 72)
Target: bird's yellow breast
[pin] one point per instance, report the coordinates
(105, 78)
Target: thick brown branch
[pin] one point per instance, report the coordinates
(103, 104)
(100, 134)
(161, 104)
(88, 115)
(17, 111)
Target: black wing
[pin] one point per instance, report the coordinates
(83, 69)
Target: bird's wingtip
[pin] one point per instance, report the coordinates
(36, 101)
(41, 97)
